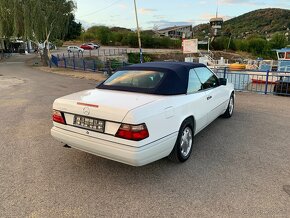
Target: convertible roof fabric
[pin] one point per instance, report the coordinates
(174, 82)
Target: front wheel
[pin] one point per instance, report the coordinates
(183, 146)
(230, 109)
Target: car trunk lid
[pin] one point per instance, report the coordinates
(103, 104)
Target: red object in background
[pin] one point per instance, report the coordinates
(87, 47)
(260, 81)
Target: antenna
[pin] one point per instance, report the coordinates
(217, 8)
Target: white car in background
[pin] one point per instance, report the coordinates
(95, 46)
(143, 112)
(75, 49)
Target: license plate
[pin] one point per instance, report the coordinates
(89, 123)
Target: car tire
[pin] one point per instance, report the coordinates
(183, 145)
(230, 108)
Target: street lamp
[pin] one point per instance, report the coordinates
(138, 33)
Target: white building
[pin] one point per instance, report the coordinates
(176, 32)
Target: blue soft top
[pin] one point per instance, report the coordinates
(175, 80)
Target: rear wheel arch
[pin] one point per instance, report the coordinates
(177, 153)
(192, 121)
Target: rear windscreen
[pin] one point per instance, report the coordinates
(135, 79)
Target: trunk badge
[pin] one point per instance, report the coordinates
(86, 111)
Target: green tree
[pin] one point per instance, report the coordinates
(101, 33)
(86, 37)
(241, 44)
(278, 41)
(51, 18)
(74, 29)
(6, 18)
(257, 46)
(220, 43)
(40, 21)
(132, 40)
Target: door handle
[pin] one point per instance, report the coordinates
(209, 97)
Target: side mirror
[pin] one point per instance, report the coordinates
(223, 81)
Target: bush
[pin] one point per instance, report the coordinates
(134, 58)
(257, 46)
(242, 45)
(278, 41)
(88, 36)
(132, 40)
(58, 43)
(220, 43)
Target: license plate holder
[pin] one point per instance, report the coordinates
(89, 123)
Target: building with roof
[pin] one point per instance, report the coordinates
(176, 32)
(216, 24)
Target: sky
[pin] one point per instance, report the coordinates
(165, 13)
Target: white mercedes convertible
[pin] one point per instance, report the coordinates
(143, 112)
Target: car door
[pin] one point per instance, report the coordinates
(215, 94)
(197, 101)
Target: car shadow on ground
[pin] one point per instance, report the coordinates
(205, 154)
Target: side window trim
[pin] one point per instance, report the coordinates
(192, 92)
(216, 78)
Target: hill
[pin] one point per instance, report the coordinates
(263, 22)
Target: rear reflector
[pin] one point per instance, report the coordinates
(58, 117)
(133, 132)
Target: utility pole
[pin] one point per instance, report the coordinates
(138, 33)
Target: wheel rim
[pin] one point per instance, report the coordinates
(231, 105)
(186, 142)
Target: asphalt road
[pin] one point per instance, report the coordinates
(240, 167)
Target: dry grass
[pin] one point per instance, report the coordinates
(97, 76)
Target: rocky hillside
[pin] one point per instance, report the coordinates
(262, 22)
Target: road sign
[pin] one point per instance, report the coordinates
(190, 46)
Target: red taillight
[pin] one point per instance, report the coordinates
(57, 117)
(133, 132)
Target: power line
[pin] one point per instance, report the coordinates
(112, 4)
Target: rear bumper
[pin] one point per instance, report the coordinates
(135, 156)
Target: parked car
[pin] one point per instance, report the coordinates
(95, 46)
(143, 112)
(87, 47)
(75, 49)
(282, 86)
(51, 46)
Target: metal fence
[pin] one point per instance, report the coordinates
(5, 55)
(111, 52)
(265, 82)
(262, 82)
(79, 63)
(99, 52)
